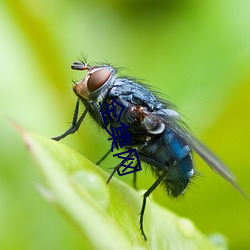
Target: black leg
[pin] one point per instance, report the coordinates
(103, 157)
(116, 168)
(145, 196)
(134, 177)
(75, 124)
(113, 172)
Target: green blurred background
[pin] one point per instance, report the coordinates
(196, 52)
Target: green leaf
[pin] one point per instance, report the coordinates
(106, 215)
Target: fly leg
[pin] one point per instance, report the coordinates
(145, 196)
(117, 167)
(75, 124)
(113, 172)
(134, 176)
(104, 157)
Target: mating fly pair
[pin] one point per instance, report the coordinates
(157, 131)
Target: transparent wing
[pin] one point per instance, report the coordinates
(175, 124)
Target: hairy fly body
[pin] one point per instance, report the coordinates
(157, 131)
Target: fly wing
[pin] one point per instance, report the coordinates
(208, 156)
(175, 124)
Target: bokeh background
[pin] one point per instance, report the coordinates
(195, 52)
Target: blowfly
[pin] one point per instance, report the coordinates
(160, 137)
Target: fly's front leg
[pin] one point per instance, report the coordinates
(75, 123)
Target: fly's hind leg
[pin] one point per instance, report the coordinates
(145, 196)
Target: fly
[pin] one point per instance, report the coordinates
(157, 131)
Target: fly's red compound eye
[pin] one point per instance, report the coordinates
(97, 79)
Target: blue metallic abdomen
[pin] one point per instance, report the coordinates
(169, 153)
